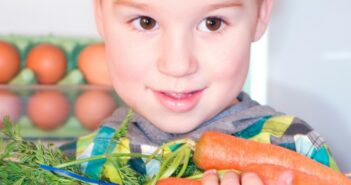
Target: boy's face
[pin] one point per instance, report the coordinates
(179, 62)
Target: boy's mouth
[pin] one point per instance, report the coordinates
(179, 101)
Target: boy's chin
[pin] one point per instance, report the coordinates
(175, 130)
(178, 127)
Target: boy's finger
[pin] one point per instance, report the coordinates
(251, 179)
(210, 178)
(286, 178)
(230, 178)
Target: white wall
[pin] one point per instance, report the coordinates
(62, 17)
(309, 68)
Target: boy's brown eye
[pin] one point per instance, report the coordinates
(147, 23)
(213, 24)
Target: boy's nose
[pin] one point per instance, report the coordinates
(176, 57)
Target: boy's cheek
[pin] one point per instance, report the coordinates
(226, 63)
(127, 59)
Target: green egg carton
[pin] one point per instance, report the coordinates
(73, 85)
(70, 45)
(69, 130)
(23, 44)
(72, 127)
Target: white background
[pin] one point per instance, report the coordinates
(302, 67)
(63, 17)
(309, 64)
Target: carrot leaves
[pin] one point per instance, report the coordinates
(20, 160)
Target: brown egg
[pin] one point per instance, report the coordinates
(10, 61)
(92, 107)
(92, 62)
(10, 105)
(48, 62)
(48, 110)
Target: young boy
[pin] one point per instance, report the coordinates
(180, 65)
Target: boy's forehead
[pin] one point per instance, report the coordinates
(211, 3)
(131, 1)
(187, 8)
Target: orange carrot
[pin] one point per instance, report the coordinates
(178, 181)
(221, 151)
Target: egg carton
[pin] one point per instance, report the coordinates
(23, 89)
(57, 112)
(70, 45)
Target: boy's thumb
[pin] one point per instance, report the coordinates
(286, 178)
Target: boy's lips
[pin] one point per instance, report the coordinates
(179, 101)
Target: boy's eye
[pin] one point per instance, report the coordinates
(210, 24)
(144, 23)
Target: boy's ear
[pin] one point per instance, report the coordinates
(265, 8)
(98, 17)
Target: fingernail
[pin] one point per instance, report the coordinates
(249, 175)
(289, 180)
(210, 172)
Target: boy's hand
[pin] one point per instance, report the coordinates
(231, 178)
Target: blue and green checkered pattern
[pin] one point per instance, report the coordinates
(283, 130)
